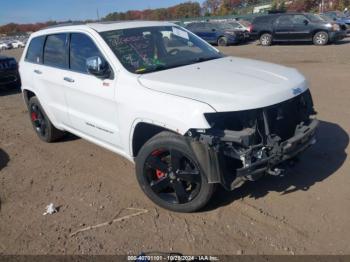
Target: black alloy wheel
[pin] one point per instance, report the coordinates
(38, 120)
(172, 176)
(43, 127)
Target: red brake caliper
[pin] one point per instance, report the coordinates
(34, 116)
(159, 173)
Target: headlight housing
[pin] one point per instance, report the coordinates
(336, 27)
(232, 120)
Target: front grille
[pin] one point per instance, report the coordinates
(6, 65)
(284, 117)
(281, 119)
(7, 78)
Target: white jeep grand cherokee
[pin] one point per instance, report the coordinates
(160, 96)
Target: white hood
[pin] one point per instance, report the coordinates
(230, 83)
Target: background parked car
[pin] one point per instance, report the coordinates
(3, 46)
(339, 17)
(17, 44)
(222, 34)
(284, 27)
(243, 27)
(342, 25)
(9, 76)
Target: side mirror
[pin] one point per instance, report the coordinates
(306, 22)
(98, 67)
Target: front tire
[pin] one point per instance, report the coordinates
(41, 123)
(321, 38)
(266, 39)
(222, 41)
(170, 175)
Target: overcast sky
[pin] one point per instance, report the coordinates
(31, 11)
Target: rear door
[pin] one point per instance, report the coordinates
(55, 64)
(283, 27)
(48, 61)
(32, 62)
(200, 30)
(90, 100)
(211, 32)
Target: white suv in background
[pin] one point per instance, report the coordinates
(17, 44)
(160, 96)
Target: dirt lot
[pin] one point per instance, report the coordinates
(305, 212)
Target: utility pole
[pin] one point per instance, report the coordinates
(322, 6)
(98, 14)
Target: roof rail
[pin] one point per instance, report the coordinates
(65, 24)
(118, 21)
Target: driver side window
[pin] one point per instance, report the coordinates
(81, 48)
(299, 19)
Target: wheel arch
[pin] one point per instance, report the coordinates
(142, 132)
(265, 32)
(319, 30)
(28, 94)
(220, 36)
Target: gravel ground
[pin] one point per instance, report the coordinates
(305, 212)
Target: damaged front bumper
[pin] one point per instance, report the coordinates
(304, 137)
(245, 145)
(217, 153)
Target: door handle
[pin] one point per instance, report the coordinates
(69, 80)
(37, 72)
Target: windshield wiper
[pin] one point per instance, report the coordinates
(203, 59)
(160, 67)
(151, 68)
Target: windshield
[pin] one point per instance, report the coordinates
(335, 14)
(326, 18)
(314, 18)
(150, 49)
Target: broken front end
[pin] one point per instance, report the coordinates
(244, 145)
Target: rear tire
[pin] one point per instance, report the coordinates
(266, 39)
(222, 41)
(41, 123)
(170, 175)
(321, 38)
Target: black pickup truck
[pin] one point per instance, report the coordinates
(283, 27)
(9, 76)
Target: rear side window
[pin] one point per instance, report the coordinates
(285, 20)
(262, 19)
(35, 50)
(55, 53)
(81, 48)
(200, 26)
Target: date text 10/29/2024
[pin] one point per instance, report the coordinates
(147, 258)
